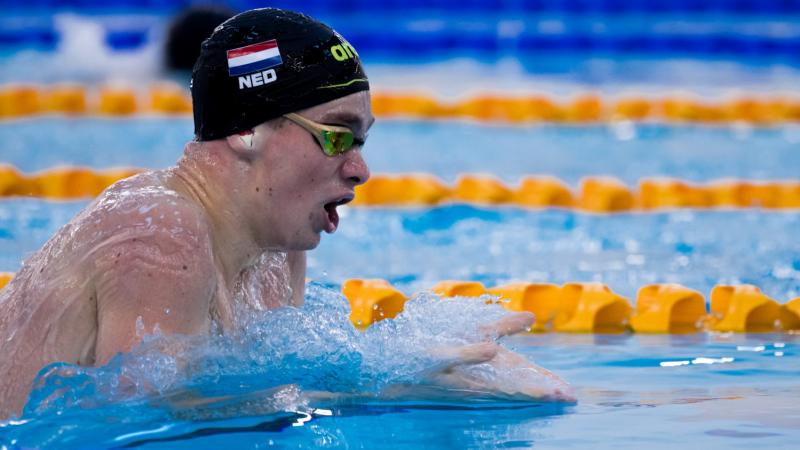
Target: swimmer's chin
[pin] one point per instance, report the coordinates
(299, 245)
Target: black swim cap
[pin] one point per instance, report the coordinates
(263, 63)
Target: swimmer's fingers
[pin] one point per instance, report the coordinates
(524, 379)
(328, 399)
(465, 355)
(511, 324)
(476, 353)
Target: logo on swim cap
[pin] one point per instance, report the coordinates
(254, 58)
(344, 51)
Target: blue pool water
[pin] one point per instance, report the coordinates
(715, 390)
(712, 390)
(259, 387)
(414, 249)
(445, 149)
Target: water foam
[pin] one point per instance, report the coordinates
(279, 360)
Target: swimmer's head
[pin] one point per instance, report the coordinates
(264, 63)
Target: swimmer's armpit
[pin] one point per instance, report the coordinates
(161, 279)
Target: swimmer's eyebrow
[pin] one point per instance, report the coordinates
(351, 120)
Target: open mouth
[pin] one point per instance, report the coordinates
(333, 215)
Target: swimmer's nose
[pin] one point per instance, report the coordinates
(355, 168)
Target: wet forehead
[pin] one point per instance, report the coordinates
(353, 111)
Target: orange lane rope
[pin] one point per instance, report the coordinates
(25, 100)
(594, 194)
(595, 308)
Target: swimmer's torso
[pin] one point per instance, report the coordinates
(50, 311)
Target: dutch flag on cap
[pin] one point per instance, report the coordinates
(253, 58)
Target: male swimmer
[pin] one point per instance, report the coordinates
(281, 110)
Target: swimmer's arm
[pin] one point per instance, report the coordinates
(163, 279)
(297, 276)
(449, 379)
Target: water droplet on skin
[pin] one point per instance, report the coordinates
(139, 326)
(146, 209)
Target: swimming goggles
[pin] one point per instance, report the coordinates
(334, 140)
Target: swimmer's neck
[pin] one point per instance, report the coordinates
(201, 181)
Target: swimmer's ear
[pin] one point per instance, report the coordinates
(242, 142)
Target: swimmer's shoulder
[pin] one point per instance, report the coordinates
(143, 205)
(145, 236)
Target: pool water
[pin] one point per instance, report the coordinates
(710, 390)
(416, 248)
(713, 390)
(446, 149)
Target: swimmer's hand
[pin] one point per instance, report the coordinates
(488, 371)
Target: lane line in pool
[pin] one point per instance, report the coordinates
(597, 194)
(595, 308)
(26, 100)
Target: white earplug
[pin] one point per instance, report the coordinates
(247, 138)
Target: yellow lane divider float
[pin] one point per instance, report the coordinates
(63, 183)
(594, 308)
(372, 300)
(21, 100)
(5, 277)
(595, 194)
(591, 307)
(74, 99)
